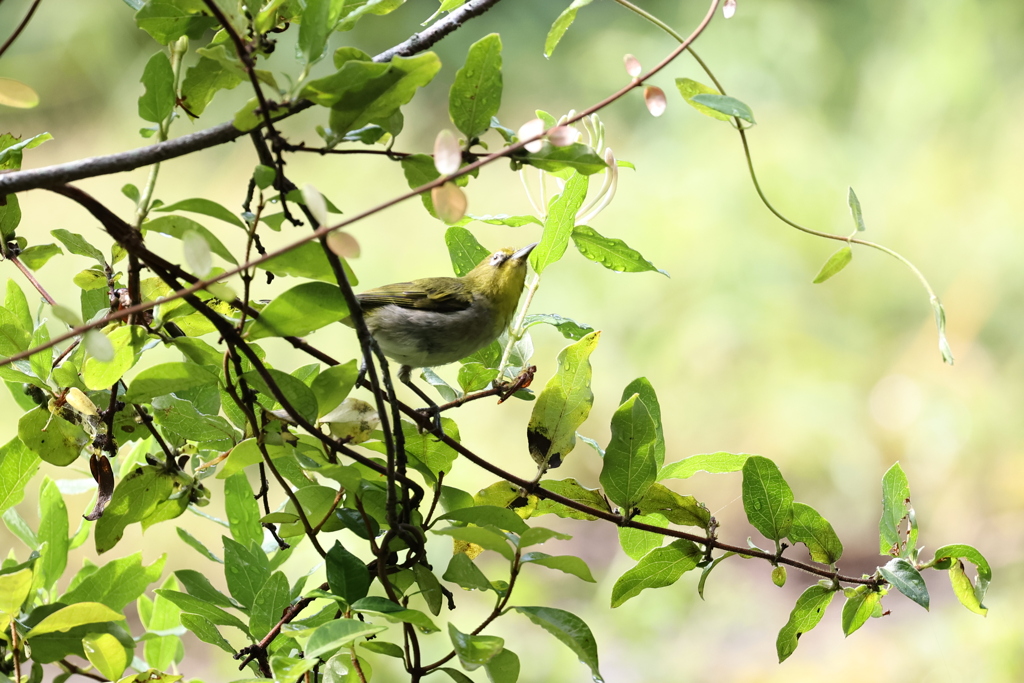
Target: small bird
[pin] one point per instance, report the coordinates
(439, 320)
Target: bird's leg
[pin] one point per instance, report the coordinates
(431, 410)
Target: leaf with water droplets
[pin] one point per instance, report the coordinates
(476, 92)
(561, 25)
(612, 253)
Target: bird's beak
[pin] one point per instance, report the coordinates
(524, 252)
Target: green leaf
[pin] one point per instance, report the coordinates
(117, 583)
(53, 533)
(485, 537)
(559, 223)
(855, 210)
(688, 88)
(767, 498)
(463, 249)
(810, 608)
(205, 207)
(195, 543)
(202, 608)
(136, 497)
(613, 254)
(562, 161)
(675, 508)
(35, 257)
(660, 567)
(463, 572)
(51, 437)
(300, 310)
(179, 227)
(199, 586)
(16, 303)
(157, 103)
(347, 575)
(860, 604)
(14, 588)
(561, 25)
(484, 515)
(76, 244)
(570, 329)
(474, 651)
(307, 261)
(836, 262)
(971, 596)
(503, 667)
(337, 634)
(364, 93)
(475, 94)
(814, 531)
(105, 652)
(569, 629)
(646, 395)
(11, 149)
(205, 631)
(13, 338)
(246, 569)
(382, 647)
(165, 378)
(182, 418)
(202, 82)
(359, 9)
(905, 578)
(269, 603)
(333, 385)
(895, 509)
(18, 464)
(395, 612)
(636, 543)
(313, 30)
(419, 170)
(724, 104)
(10, 216)
(630, 464)
(168, 20)
(563, 405)
(294, 390)
(243, 511)
(127, 341)
(67, 618)
(573, 490)
(42, 361)
(570, 564)
(713, 463)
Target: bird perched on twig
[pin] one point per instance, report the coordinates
(439, 320)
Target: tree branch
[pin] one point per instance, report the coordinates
(61, 174)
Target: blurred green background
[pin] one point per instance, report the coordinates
(913, 104)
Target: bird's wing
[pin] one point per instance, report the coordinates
(444, 295)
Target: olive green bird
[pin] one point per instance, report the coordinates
(439, 320)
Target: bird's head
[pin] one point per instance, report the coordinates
(501, 275)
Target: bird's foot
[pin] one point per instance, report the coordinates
(433, 415)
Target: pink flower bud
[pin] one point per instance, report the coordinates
(532, 129)
(563, 136)
(449, 202)
(654, 98)
(633, 67)
(729, 9)
(447, 154)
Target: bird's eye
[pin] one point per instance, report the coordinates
(498, 259)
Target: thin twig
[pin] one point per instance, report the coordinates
(31, 278)
(20, 28)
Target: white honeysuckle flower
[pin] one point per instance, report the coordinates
(606, 193)
(563, 136)
(532, 129)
